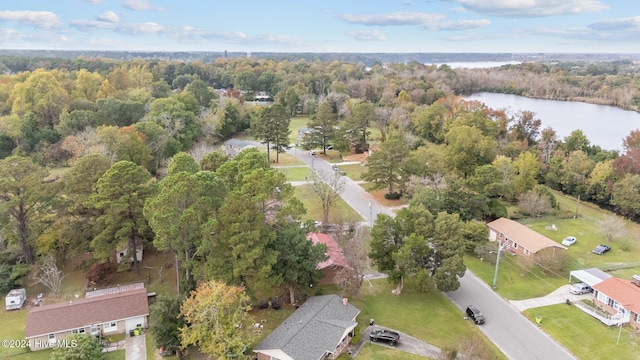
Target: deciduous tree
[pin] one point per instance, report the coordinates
(79, 347)
(612, 227)
(165, 322)
(217, 320)
(328, 188)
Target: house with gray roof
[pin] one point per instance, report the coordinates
(319, 329)
(233, 147)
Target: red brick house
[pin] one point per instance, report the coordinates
(336, 260)
(107, 314)
(519, 239)
(620, 298)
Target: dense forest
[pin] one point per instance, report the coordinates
(98, 153)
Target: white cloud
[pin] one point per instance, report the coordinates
(109, 16)
(367, 35)
(38, 19)
(532, 8)
(459, 25)
(132, 28)
(397, 18)
(19, 39)
(137, 5)
(622, 24)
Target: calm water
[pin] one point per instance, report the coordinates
(603, 125)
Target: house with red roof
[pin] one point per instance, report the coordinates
(336, 260)
(111, 313)
(519, 239)
(620, 298)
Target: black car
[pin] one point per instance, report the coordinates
(475, 315)
(392, 337)
(601, 249)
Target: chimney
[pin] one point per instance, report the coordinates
(345, 301)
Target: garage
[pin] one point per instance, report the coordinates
(132, 324)
(590, 276)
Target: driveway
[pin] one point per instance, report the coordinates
(407, 344)
(558, 296)
(135, 347)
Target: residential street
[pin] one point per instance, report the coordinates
(517, 337)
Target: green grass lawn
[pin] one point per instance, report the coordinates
(354, 171)
(584, 336)
(511, 284)
(296, 173)
(430, 317)
(376, 352)
(297, 123)
(341, 212)
(12, 328)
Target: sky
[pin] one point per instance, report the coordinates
(387, 26)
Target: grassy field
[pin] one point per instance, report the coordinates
(341, 212)
(376, 352)
(295, 173)
(584, 336)
(354, 171)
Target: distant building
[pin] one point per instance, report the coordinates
(233, 147)
(336, 260)
(519, 239)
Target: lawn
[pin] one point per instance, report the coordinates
(584, 336)
(296, 124)
(295, 173)
(12, 328)
(339, 213)
(354, 171)
(511, 284)
(430, 317)
(376, 352)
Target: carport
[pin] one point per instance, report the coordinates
(590, 276)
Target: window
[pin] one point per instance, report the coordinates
(94, 330)
(52, 338)
(515, 245)
(526, 251)
(78, 331)
(638, 318)
(110, 326)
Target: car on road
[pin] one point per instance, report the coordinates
(569, 240)
(392, 337)
(312, 152)
(334, 167)
(580, 288)
(475, 315)
(601, 249)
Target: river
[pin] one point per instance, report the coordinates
(605, 126)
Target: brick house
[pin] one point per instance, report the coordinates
(112, 313)
(319, 329)
(519, 239)
(620, 298)
(336, 260)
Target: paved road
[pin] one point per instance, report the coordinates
(353, 194)
(516, 336)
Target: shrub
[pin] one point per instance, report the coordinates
(99, 272)
(393, 196)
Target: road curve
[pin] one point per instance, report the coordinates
(516, 336)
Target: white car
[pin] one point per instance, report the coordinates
(569, 240)
(312, 152)
(580, 288)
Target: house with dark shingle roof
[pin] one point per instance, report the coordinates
(108, 314)
(519, 239)
(321, 328)
(233, 147)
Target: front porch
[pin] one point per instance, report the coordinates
(603, 316)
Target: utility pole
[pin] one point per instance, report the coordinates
(577, 204)
(495, 275)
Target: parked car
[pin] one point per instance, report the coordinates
(334, 167)
(580, 288)
(601, 249)
(569, 240)
(392, 337)
(312, 152)
(475, 315)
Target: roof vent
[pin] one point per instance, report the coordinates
(345, 301)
